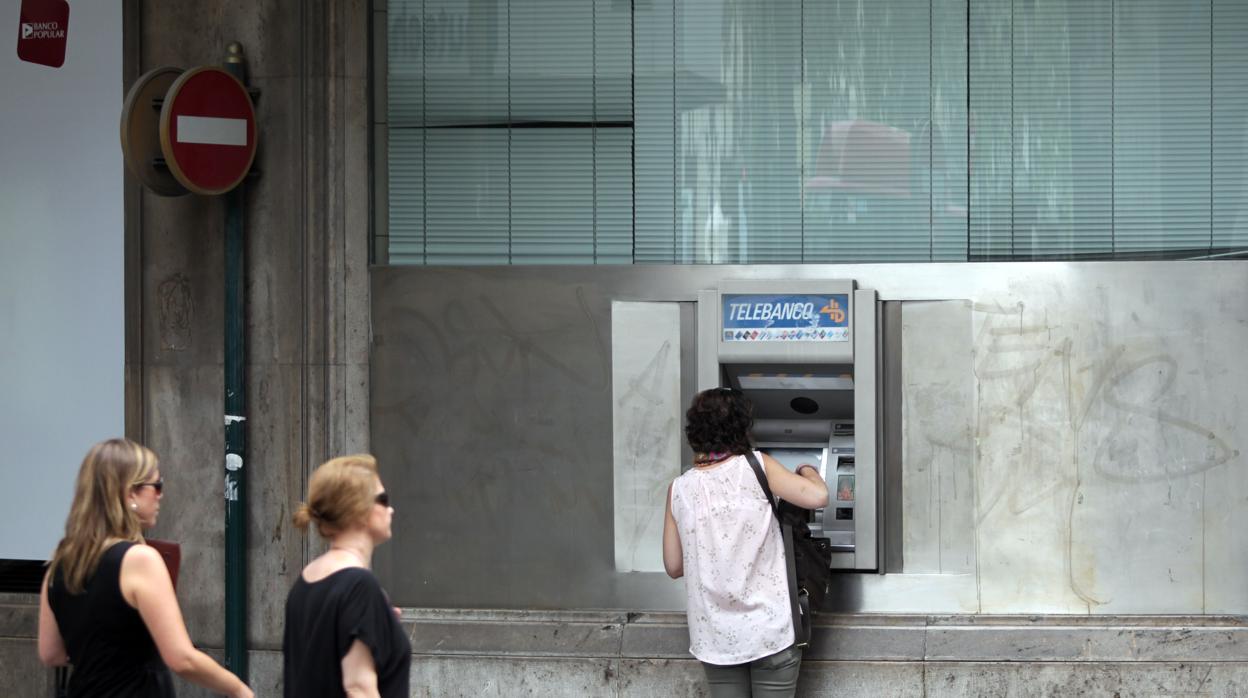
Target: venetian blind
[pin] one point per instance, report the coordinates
(799, 131)
(790, 131)
(1106, 128)
(509, 132)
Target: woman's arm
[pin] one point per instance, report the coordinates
(145, 584)
(673, 554)
(804, 488)
(359, 674)
(51, 644)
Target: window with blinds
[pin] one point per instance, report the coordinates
(510, 132)
(1107, 128)
(792, 131)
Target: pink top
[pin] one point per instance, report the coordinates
(737, 591)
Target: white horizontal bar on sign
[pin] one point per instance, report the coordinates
(212, 130)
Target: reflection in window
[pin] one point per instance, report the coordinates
(802, 131)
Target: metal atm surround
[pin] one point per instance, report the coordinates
(775, 373)
(455, 381)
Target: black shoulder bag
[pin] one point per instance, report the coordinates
(808, 559)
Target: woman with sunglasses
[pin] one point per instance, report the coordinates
(107, 605)
(342, 635)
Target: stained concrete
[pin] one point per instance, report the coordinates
(1101, 679)
(21, 673)
(553, 653)
(307, 237)
(265, 676)
(461, 653)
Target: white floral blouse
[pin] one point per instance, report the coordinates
(735, 581)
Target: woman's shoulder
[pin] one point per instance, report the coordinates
(337, 576)
(726, 465)
(117, 546)
(131, 547)
(349, 586)
(683, 478)
(138, 559)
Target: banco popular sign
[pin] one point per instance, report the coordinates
(42, 29)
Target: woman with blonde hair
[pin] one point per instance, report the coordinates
(107, 605)
(342, 635)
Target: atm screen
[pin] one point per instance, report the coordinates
(793, 457)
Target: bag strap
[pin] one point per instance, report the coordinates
(762, 482)
(786, 537)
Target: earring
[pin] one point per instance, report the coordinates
(134, 506)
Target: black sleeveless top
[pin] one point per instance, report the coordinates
(324, 618)
(109, 646)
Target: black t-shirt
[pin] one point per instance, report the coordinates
(108, 645)
(324, 618)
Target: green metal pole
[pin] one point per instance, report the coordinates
(235, 417)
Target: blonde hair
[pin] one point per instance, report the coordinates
(340, 494)
(99, 514)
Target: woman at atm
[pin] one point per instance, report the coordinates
(720, 535)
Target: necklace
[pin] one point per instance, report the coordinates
(711, 458)
(354, 553)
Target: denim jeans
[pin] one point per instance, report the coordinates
(773, 676)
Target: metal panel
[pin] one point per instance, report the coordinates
(646, 424)
(892, 515)
(492, 422)
(689, 348)
(1107, 474)
(939, 419)
(708, 326)
(866, 431)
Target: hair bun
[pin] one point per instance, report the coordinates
(303, 516)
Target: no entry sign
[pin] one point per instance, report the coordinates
(208, 130)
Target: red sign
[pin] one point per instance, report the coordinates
(208, 130)
(41, 32)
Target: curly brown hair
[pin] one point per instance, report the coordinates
(719, 421)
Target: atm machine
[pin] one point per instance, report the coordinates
(806, 352)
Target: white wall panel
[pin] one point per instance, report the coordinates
(61, 270)
(645, 373)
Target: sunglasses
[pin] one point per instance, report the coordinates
(383, 499)
(159, 485)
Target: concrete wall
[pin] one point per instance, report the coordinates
(1067, 430)
(573, 654)
(307, 310)
(463, 653)
(307, 219)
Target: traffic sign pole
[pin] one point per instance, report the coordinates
(235, 415)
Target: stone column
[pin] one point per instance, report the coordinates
(307, 228)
